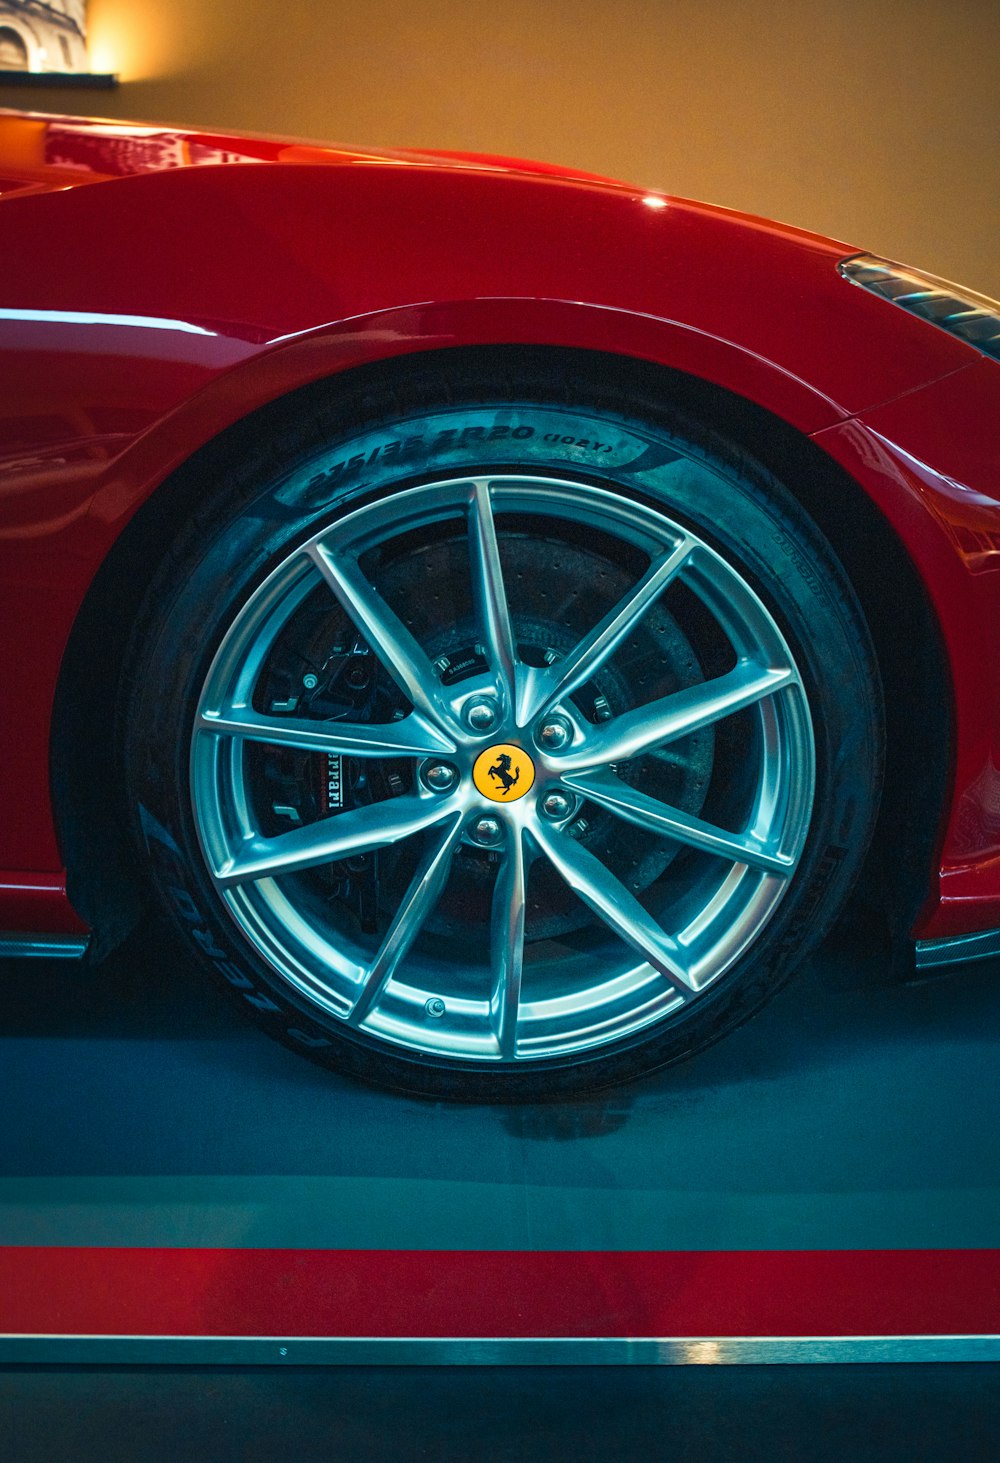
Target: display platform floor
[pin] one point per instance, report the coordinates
(828, 1175)
(789, 1414)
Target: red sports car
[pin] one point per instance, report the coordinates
(497, 611)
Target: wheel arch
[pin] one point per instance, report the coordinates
(103, 880)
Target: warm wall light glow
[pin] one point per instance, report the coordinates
(138, 41)
(104, 55)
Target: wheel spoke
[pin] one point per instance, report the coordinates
(426, 888)
(390, 640)
(612, 902)
(507, 945)
(586, 658)
(413, 736)
(488, 589)
(610, 792)
(342, 836)
(678, 715)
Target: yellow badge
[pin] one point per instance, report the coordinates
(503, 773)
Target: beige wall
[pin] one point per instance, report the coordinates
(876, 122)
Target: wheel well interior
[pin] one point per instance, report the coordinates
(103, 880)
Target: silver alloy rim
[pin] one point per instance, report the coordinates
(648, 956)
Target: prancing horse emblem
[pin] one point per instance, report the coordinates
(501, 773)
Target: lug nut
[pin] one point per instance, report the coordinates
(487, 831)
(440, 776)
(554, 733)
(481, 716)
(556, 805)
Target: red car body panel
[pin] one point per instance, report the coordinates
(941, 491)
(174, 294)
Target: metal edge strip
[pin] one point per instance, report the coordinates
(957, 949)
(492, 1351)
(43, 947)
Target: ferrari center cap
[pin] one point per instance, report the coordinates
(503, 773)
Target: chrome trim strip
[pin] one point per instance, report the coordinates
(43, 947)
(493, 1351)
(957, 949)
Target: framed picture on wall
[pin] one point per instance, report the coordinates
(43, 35)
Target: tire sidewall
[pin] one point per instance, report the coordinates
(696, 479)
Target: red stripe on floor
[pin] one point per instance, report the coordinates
(203, 1292)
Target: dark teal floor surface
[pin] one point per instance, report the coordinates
(138, 1109)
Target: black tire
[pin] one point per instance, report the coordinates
(361, 447)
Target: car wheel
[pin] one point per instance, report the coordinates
(492, 747)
